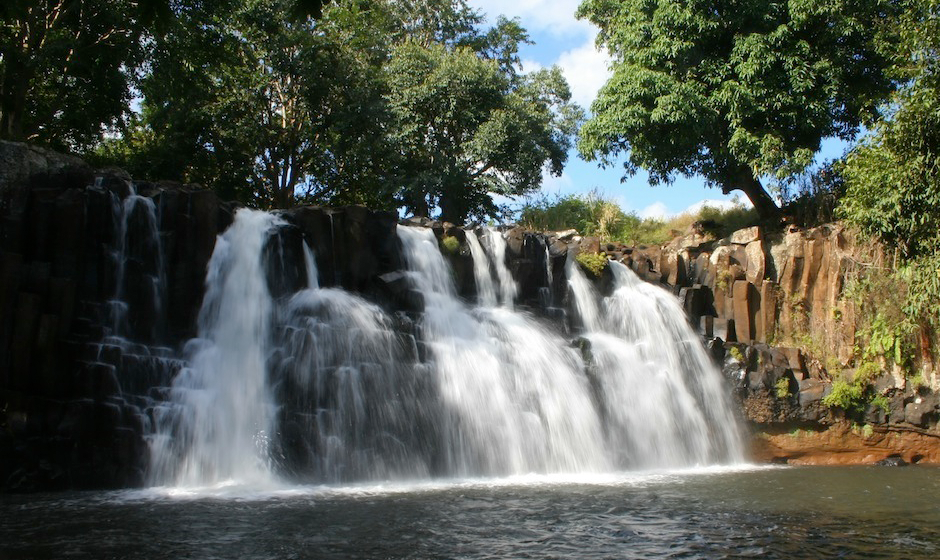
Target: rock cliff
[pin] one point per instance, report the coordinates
(102, 278)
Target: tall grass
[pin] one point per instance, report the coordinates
(595, 215)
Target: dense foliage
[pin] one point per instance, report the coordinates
(67, 67)
(388, 103)
(893, 176)
(734, 90)
(466, 128)
(893, 193)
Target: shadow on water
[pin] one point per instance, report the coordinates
(839, 512)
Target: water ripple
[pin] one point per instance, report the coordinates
(788, 514)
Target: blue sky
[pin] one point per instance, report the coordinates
(562, 40)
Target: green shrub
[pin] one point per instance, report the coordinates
(917, 382)
(782, 388)
(596, 215)
(855, 397)
(736, 354)
(881, 402)
(592, 262)
(847, 396)
(728, 220)
(450, 245)
(557, 214)
(811, 198)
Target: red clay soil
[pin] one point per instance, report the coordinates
(845, 444)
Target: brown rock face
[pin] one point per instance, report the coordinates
(843, 444)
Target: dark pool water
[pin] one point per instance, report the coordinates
(787, 513)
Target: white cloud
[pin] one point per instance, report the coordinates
(584, 66)
(656, 210)
(529, 65)
(720, 204)
(586, 69)
(562, 184)
(551, 16)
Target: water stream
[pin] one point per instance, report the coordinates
(218, 424)
(651, 370)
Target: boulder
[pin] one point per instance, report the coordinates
(812, 391)
(745, 303)
(557, 247)
(746, 235)
(894, 460)
(721, 257)
(590, 245)
(922, 411)
(756, 266)
(795, 361)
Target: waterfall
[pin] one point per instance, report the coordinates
(507, 286)
(582, 293)
(513, 394)
(320, 385)
(351, 402)
(145, 249)
(486, 289)
(218, 424)
(662, 399)
(546, 297)
(310, 266)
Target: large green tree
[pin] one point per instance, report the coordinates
(67, 67)
(893, 175)
(380, 102)
(737, 91)
(225, 101)
(467, 129)
(892, 183)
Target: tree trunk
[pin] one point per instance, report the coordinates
(766, 208)
(453, 206)
(13, 98)
(417, 205)
(924, 337)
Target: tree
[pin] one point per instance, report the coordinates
(893, 176)
(379, 102)
(67, 67)
(893, 189)
(734, 90)
(234, 98)
(467, 128)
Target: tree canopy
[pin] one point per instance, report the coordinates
(734, 90)
(466, 128)
(67, 67)
(383, 102)
(893, 176)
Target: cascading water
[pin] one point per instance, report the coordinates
(507, 286)
(546, 297)
(219, 421)
(136, 325)
(142, 247)
(486, 289)
(351, 403)
(662, 399)
(513, 395)
(323, 386)
(585, 299)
